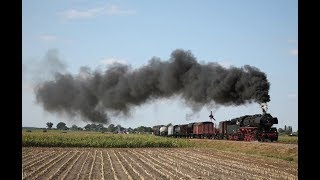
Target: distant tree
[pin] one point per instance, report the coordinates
(129, 129)
(288, 130)
(93, 127)
(100, 127)
(149, 129)
(139, 129)
(280, 130)
(74, 127)
(87, 127)
(49, 125)
(62, 126)
(119, 128)
(169, 125)
(143, 129)
(111, 128)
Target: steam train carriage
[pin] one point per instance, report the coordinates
(247, 128)
(156, 130)
(164, 131)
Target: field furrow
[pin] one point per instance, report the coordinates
(144, 169)
(192, 171)
(114, 174)
(129, 167)
(31, 155)
(37, 167)
(96, 168)
(66, 173)
(120, 170)
(232, 168)
(215, 171)
(160, 167)
(169, 165)
(48, 167)
(36, 159)
(258, 167)
(92, 164)
(281, 165)
(151, 169)
(56, 172)
(73, 171)
(86, 166)
(106, 166)
(150, 163)
(102, 166)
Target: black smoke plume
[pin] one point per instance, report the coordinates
(94, 95)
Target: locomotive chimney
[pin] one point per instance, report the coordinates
(264, 108)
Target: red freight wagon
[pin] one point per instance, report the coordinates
(204, 129)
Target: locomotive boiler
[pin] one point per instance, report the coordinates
(250, 127)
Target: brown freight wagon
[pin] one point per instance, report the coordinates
(180, 130)
(204, 130)
(190, 130)
(223, 129)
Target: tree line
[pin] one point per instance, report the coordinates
(287, 130)
(100, 128)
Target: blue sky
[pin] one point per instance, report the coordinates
(91, 33)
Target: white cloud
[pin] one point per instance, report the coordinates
(115, 10)
(294, 52)
(94, 12)
(48, 37)
(113, 60)
(78, 14)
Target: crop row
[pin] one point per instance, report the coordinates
(40, 139)
(146, 163)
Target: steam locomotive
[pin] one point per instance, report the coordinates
(244, 128)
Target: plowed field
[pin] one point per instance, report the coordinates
(150, 163)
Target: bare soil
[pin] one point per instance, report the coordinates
(150, 163)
